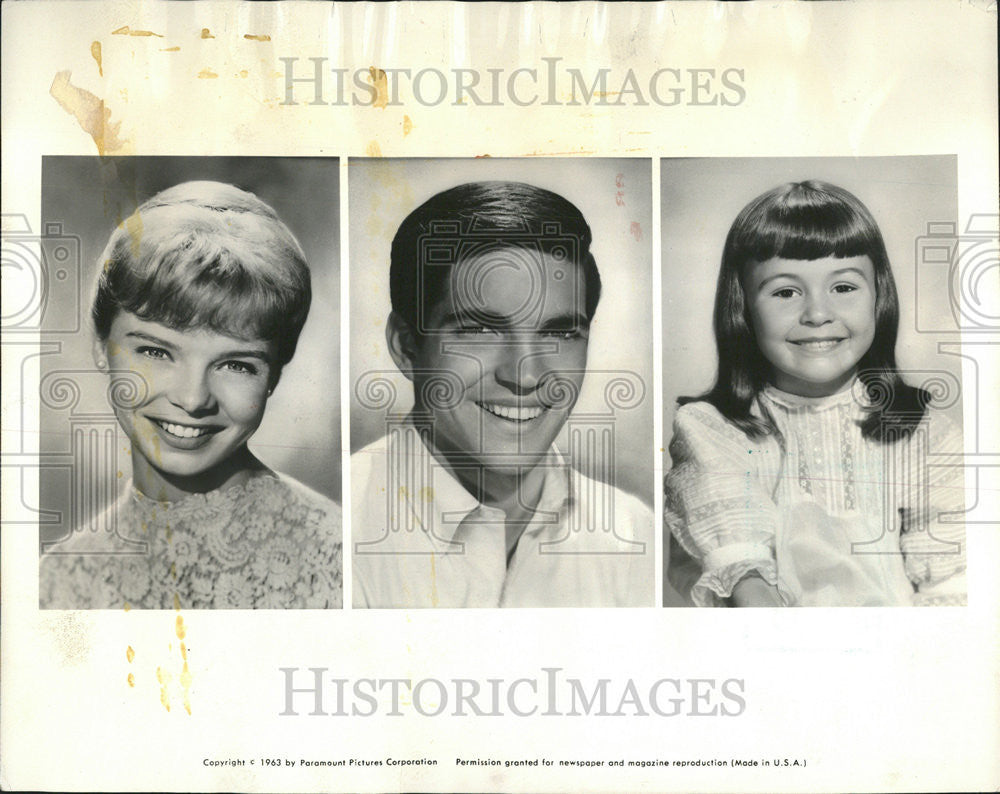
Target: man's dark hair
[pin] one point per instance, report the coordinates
(458, 223)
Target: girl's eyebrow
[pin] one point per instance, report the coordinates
(849, 270)
(769, 279)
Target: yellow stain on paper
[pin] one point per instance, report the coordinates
(253, 37)
(170, 49)
(90, 113)
(125, 30)
(380, 82)
(164, 679)
(181, 631)
(95, 51)
(131, 680)
(207, 74)
(130, 654)
(206, 34)
(373, 149)
(407, 126)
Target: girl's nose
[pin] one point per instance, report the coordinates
(816, 310)
(191, 391)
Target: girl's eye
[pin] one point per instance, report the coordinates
(241, 367)
(843, 288)
(784, 292)
(157, 353)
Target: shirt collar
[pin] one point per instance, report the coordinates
(451, 502)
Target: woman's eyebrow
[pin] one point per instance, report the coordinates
(154, 340)
(246, 352)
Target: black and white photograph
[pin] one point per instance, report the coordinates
(815, 428)
(190, 416)
(502, 393)
(447, 396)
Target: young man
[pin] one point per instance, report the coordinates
(466, 502)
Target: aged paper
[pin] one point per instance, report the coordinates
(878, 95)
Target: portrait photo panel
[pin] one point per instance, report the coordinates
(196, 378)
(812, 408)
(507, 303)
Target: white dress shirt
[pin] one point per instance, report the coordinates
(420, 539)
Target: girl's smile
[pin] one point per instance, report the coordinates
(813, 320)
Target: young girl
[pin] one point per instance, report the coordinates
(201, 297)
(811, 474)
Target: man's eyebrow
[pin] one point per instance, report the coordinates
(562, 322)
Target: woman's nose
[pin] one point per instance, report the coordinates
(191, 390)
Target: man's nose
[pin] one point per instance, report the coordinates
(521, 365)
(191, 390)
(816, 310)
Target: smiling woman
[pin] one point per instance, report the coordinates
(201, 297)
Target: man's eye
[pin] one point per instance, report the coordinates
(241, 367)
(475, 330)
(157, 353)
(565, 335)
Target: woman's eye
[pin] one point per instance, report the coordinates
(241, 367)
(157, 353)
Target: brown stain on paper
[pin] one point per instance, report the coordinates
(90, 112)
(170, 49)
(206, 34)
(255, 37)
(95, 51)
(125, 30)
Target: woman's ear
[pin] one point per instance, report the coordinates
(99, 350)
(402, 342)
(273, 378)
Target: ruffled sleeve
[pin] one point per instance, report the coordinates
(932, 516)
(715, 505)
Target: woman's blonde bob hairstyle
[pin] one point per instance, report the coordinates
(206, 255)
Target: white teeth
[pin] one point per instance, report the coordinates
(511, 413)
(824, 344)
(181, 431)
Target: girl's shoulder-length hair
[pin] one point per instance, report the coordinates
(206, 255)
(806, 220)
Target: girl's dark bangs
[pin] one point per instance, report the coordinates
(807, 232)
